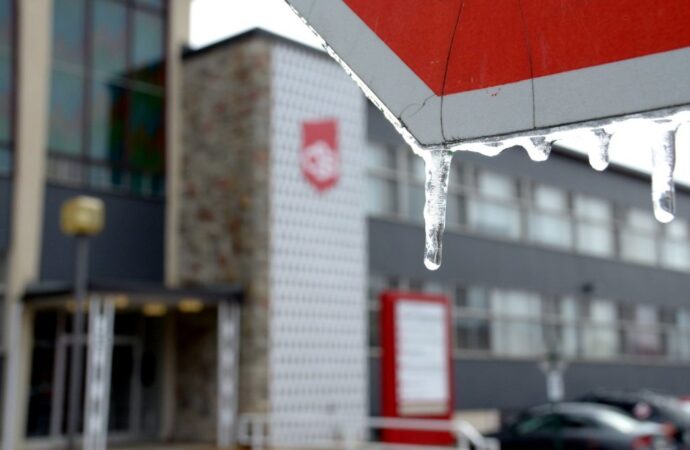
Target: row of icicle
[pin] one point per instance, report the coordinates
(660, 135)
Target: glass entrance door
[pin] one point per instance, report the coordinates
(125, 387)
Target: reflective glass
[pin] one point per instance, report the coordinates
(569, 330)
(547, 198)
(594, 239)
(66, 113)
(675, 254)
(641, 220)
(417, 168)
(473, 333)
(108, 109)
(416, 201)
(68, 31)
(497, 186)
(146, 133)
(517, 328)
(5, 23)
(5, 98)
(151, 3)
(5, 160)
(494, 218)
(148, 48)
(109, 38)
(380, 157)
(600, 338)
(381, 196)
(646, 339)
(638, 247)
(550, 229)
(455, 210)
(592, 209)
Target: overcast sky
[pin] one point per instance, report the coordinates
(213, 20)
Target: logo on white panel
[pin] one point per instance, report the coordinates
(319, 155)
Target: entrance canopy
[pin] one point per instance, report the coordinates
(47, 293)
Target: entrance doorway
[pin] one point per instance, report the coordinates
(135, 377)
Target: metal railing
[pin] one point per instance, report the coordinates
(261, 431)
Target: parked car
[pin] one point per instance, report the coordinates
(573, 426)
(652, 407)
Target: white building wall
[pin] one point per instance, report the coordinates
(318, 363)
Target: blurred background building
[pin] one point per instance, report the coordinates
(210, 177)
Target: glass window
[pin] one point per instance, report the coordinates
(683, 321)
(569, 316)
(5, 23)
(417, 169)
(381, 157)
(109, 52)
(472, 325)
(495, 210)
(66, 113)
(548, 221)
(517, 326)
(494, 218)
(5, 98)
(455, 209)
(68, 31)
(146, 134)
(151, 3)
(5, 160)
(594, 226)
(675, 247)
(600, 335)
(639, 237)
(646, 340)
(498, 186)
(382, 196)
(148, 47)
(416, 199)
(108, 108)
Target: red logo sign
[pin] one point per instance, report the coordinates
(319, 156)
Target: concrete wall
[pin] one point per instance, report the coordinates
(223, 193)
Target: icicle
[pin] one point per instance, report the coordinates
(599, 150)
(538, 148)
(663, 163)
(437, 173)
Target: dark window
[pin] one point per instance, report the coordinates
(108, 95)
(7, 89)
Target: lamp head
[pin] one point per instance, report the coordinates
(82, 216)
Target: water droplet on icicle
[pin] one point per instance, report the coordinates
(538, 148)
(599, 150)
(437, 172)
(663, 163)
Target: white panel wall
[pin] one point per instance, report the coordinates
(318, 257)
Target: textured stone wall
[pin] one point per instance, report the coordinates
(224, 200)
(195, 381)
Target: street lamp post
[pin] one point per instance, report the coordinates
(80, 217)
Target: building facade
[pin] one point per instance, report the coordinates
(256, 162)
(88, 106)
(537, 258)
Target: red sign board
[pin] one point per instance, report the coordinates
(416, 372)
(319, 155)
(451, 70)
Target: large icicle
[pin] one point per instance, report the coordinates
(599, 150)
(437, 164)
(663, 163)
